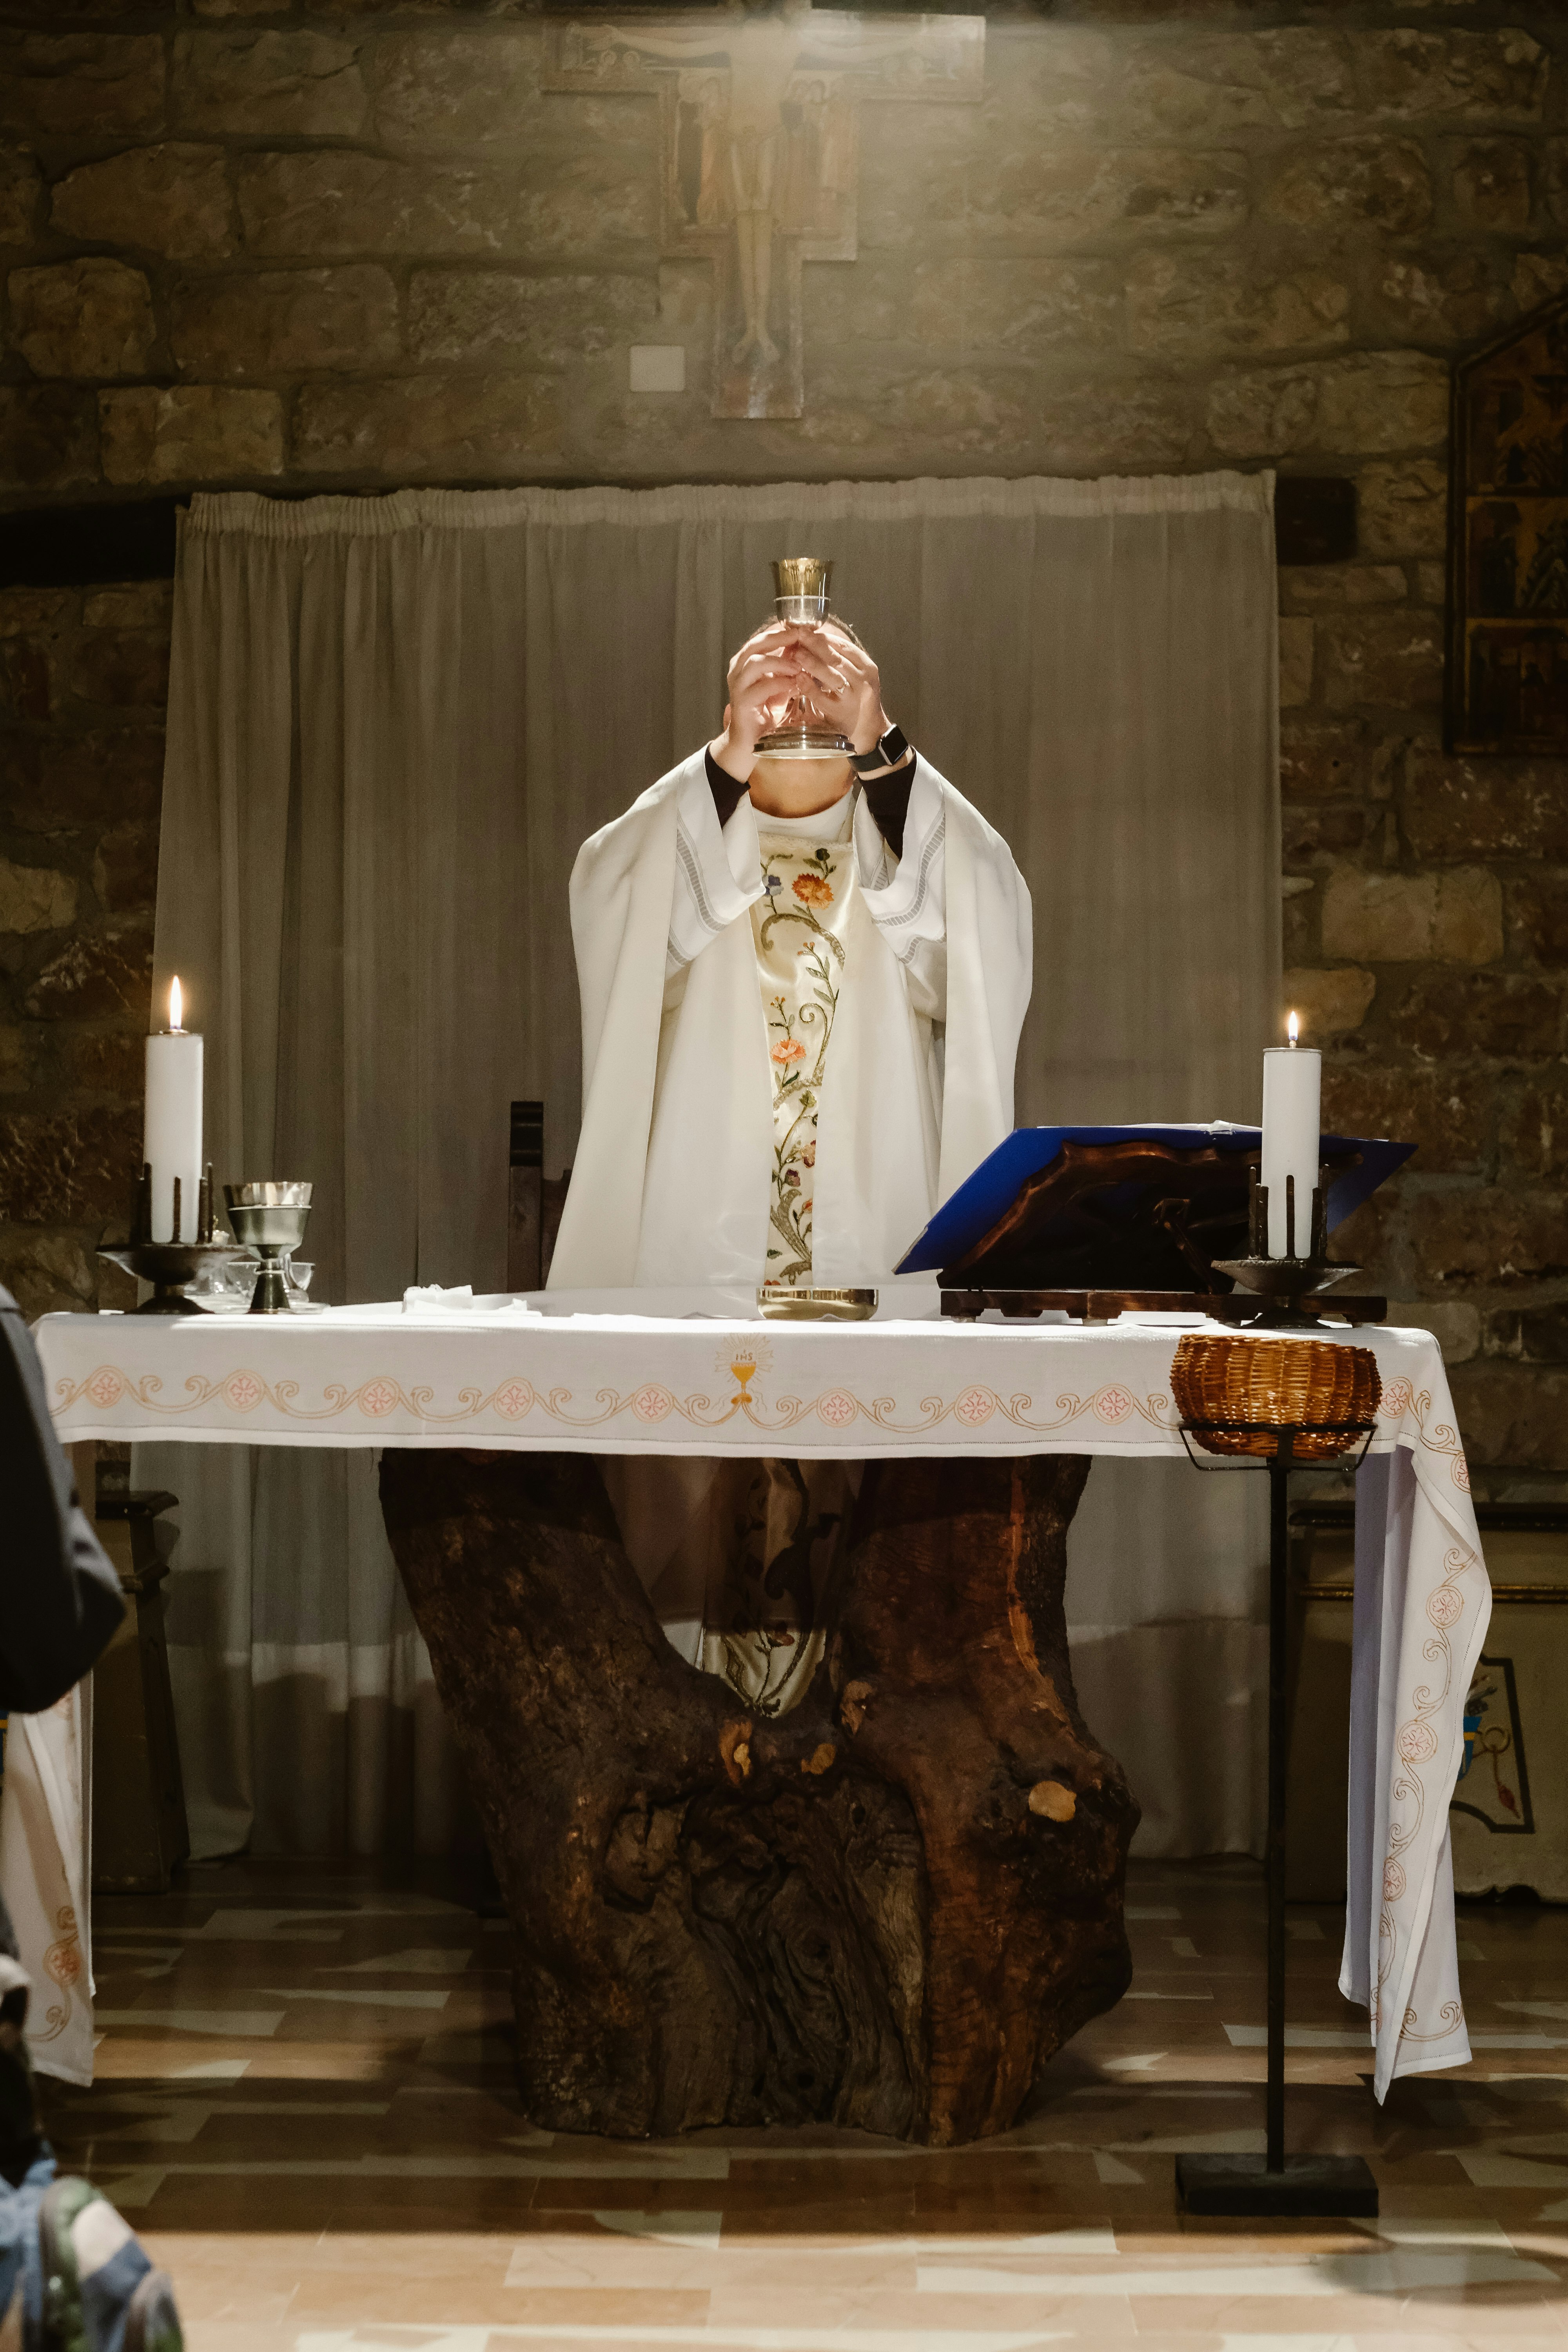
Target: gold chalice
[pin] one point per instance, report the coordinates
(800, 593)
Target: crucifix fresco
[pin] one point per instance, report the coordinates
(759, 151)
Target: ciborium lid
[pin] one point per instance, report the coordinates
(801, 583)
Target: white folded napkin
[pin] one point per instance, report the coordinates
(431, 1294)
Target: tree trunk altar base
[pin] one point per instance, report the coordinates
(887, 1908)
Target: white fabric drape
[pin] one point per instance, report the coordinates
(391, 723)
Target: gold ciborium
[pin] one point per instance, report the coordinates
(801, 583)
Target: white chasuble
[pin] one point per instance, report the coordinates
(682, 1161)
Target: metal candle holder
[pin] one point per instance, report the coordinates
(270, 1218)
(169, 1265)
(1285, 1284)
(800, 593)
(1315, 1423)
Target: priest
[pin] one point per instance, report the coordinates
(802, 983)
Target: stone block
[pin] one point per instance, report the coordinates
(425, 425)
(81, 85)
(19, 1060)
(1486, 1236)
(1402, 508)
(1413, 75)
(172, 199)
(1508, 1015)
(1538, 277)
(35, 898)
(1491, 183)
(1556, 159)
(1535, 1132)
(21, 184)
(104, 1061)
(48, 437)
(53, 783)
(971, 303)
(1508, 808)
(967, 408)
(285, 322)
(1392, 660)
(1135, 422)
(1439, 1114)
(139, 604)
(1431, 583)
(1353, 183)
(30, 612)
(1329, 1002)
(1372, 1237)
(191, 432)
(339, 201)
(46, 1273)
(1386, 918)
(1042, 194)
(125, 869)
(75, 1166)
(126, 668)
(479, 317)
(1440, 296)
(1541, 1334)
(435, 88)
(94, 974)
(262, 84)
(1453, 1323)
(1296, 655)
(1538, 918)
(1335, 759)
(1210, 84)
(1198, 305)
(1307, 833)
(1354, 406)
(1512, 1416)
(1329, 587)
(26, 682)
(87, 317)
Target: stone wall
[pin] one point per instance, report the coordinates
(298, 247)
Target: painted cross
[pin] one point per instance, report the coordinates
(759, 152)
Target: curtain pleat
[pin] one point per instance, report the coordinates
(391, 723)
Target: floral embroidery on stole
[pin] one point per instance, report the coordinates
(798, 928)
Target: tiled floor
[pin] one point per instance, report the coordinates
(304, 2104)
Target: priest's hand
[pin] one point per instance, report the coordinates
(842, 681)
(765, 674)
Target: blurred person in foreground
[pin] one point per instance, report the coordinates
(60, 1604)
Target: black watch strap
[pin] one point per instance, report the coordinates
(893, 747)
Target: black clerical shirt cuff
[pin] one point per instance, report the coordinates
(887, 797)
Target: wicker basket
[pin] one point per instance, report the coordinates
(1275, 1384)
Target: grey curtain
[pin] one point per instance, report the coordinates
(393, 721)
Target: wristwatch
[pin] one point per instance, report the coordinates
(892, 748)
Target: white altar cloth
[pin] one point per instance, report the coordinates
(506, 1376)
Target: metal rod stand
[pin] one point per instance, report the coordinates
(1274, 2183)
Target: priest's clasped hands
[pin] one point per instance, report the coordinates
(817, 661)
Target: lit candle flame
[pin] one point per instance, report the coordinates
(1292, 1026)
(177, 1007)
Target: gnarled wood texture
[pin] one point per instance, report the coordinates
(886, 1908)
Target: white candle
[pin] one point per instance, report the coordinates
(1293, 1116)
(172, 1133)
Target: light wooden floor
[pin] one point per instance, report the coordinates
(304, 2104)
